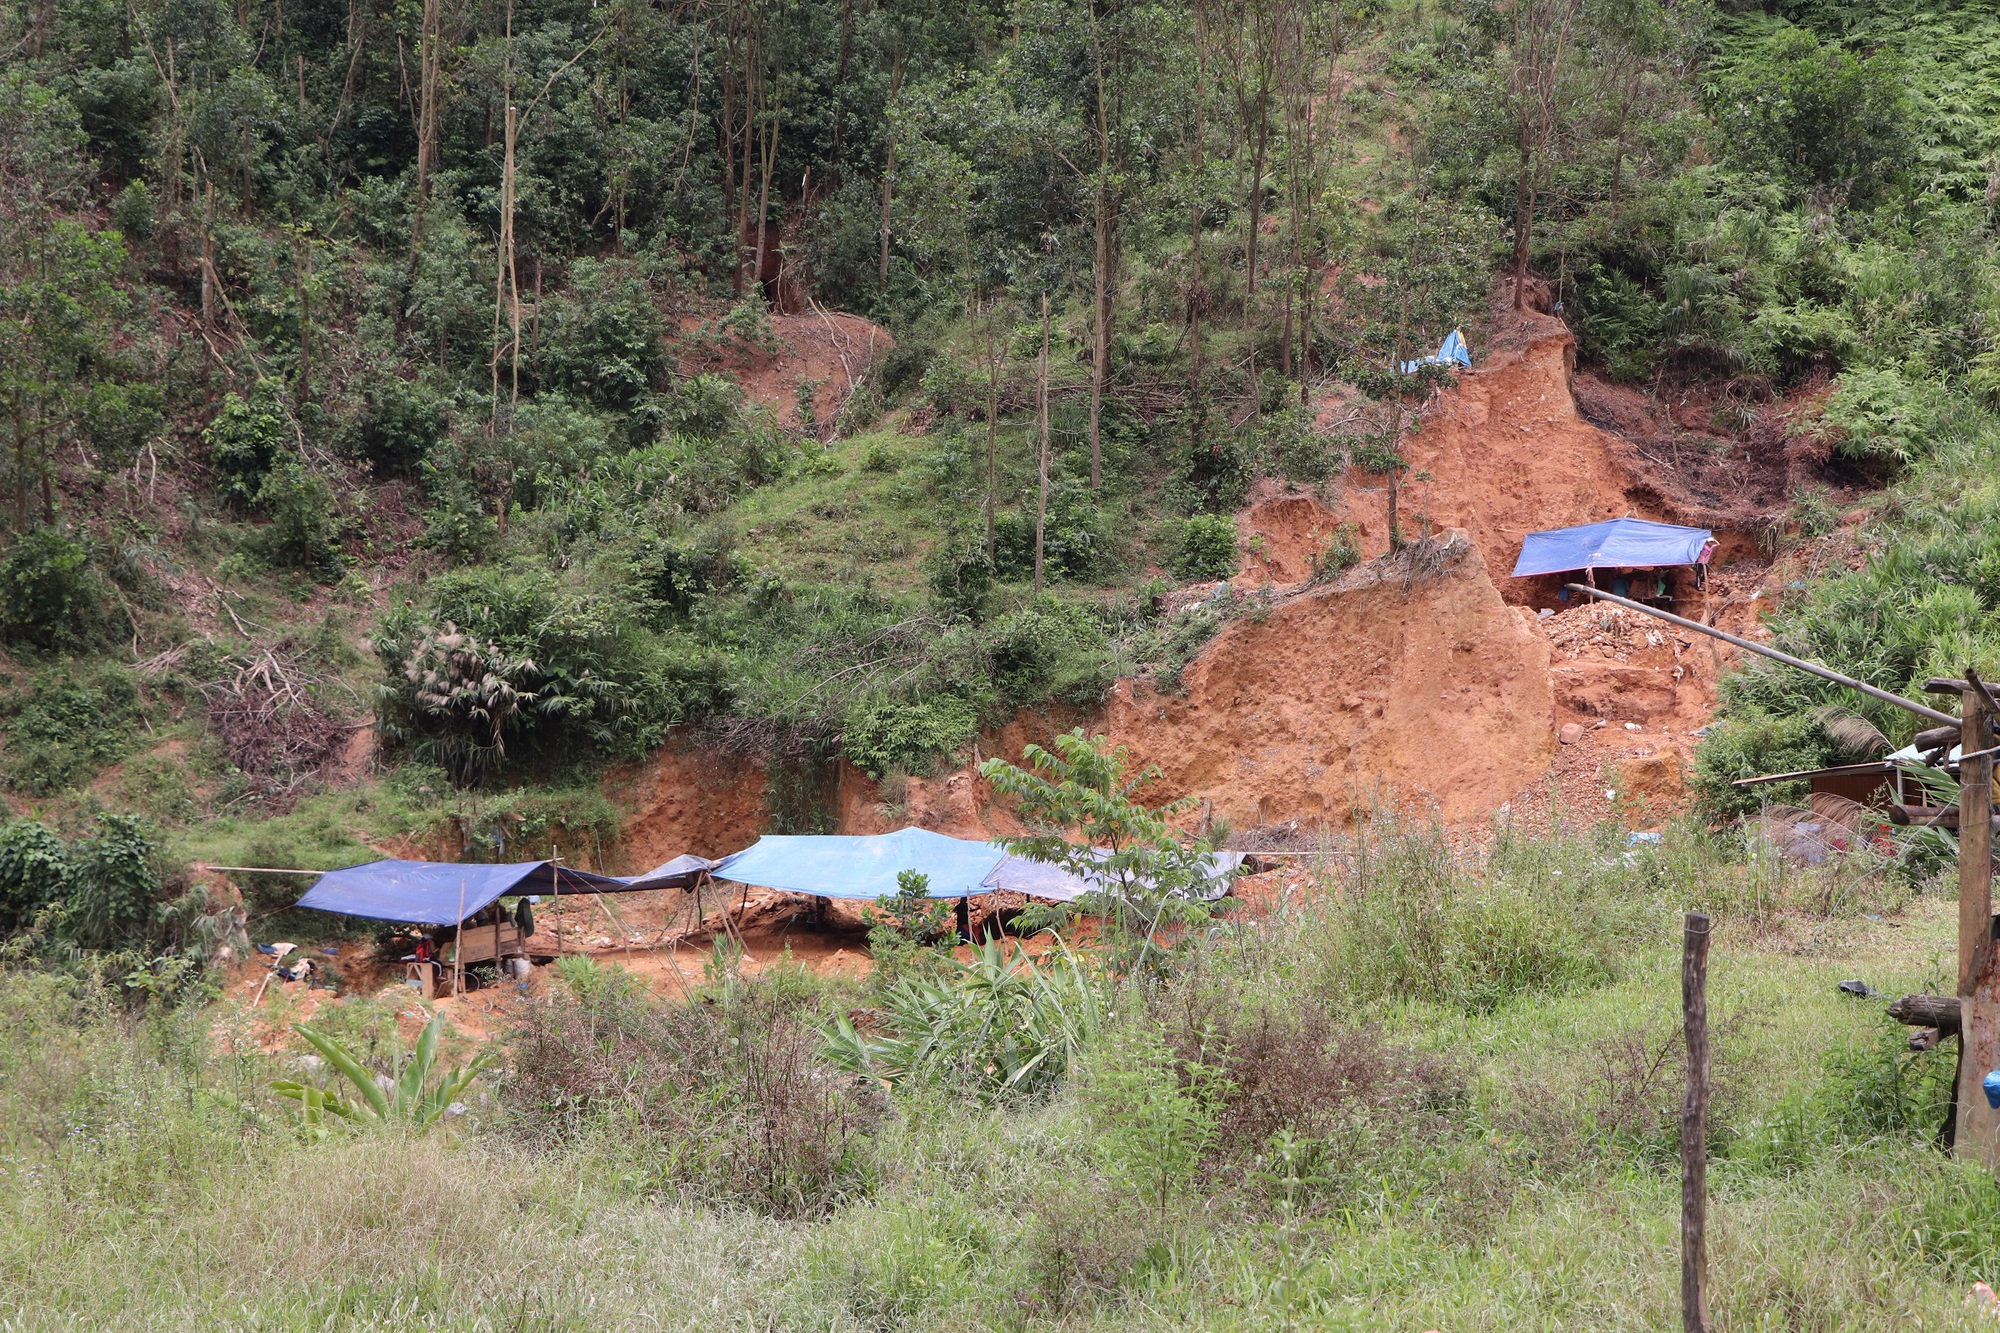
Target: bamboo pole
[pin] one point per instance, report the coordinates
(1765, 650)
(1694, 1127)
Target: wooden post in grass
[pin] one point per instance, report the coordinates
(1978, 1127)
(1694, 1128)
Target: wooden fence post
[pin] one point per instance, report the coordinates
(1978, 1126)
(1694, 1128)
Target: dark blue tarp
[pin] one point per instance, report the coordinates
(444, 893)
(862, 867)
(1618, 543)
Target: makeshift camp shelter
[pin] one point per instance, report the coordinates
(1617, 543)
(833, 866)
(444, 893)
(455, 899)
(867, 867)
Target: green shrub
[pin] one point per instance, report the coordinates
(304, 524)
(603, 341)
(1152, 1118)
(1876, 415)
(68, 726)
(1822, 115)
(34, 871)
(1298, 451)
(245, 440)
(113, 882)
(50, 595)
(881, 734)
(961, 580)
(400, 423)
(1207, 548)
(1050, 650)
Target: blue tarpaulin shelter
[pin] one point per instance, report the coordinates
(862, 867)
(1038, 879)
(444, 893)
(1618, 543)
(1451, 352)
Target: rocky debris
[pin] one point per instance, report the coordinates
(1609, 631)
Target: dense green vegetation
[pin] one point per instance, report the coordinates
(298, 260)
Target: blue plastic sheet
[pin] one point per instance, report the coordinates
(1451, 352)
(444, 893)
(1038, 879)
(862, 867)
(1618, 543)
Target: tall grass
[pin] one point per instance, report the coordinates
(1438, 1095)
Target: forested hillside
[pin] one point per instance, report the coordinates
(489, 430)
(441, 364)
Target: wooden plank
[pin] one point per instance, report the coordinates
(1978, 1128)
(1694, 1126)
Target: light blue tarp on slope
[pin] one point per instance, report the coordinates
(862, 867)
(1451, 352)
(1617, 543)
(444, 893)
(1038, 879)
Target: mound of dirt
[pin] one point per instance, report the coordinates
(824, 348)
(1407, 679)
(1281, 533)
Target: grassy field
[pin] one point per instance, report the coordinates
(1474, 1129)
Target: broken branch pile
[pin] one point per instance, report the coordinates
(269, 717)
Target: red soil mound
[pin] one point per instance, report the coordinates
(1406, 679)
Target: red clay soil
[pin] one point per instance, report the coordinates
(1280, 533)
(695, 800)
(825, 346)
(1506, 453)
(1395, 683)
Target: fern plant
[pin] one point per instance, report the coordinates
(412, 1098)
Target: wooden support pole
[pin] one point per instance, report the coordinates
(1694, 1127)
(1977, 1131)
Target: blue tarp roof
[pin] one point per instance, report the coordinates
(444, 893)
(1618, 543)
(862, 867)
(1452, 352)
(1038, 879)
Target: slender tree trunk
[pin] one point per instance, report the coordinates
(1042, 498)
(769, 162)
(1103, 275)
(889, 170)
(992, 432)
(840, 86)
(1524, 209)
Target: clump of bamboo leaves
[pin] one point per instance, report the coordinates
(411, 1098)
(1000, 1025)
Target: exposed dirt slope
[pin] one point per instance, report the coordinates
(1506, 453)
(1407, 679)
(688, 800)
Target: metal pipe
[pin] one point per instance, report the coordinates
(1921, 710)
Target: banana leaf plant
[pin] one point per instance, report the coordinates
(411, 1098)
